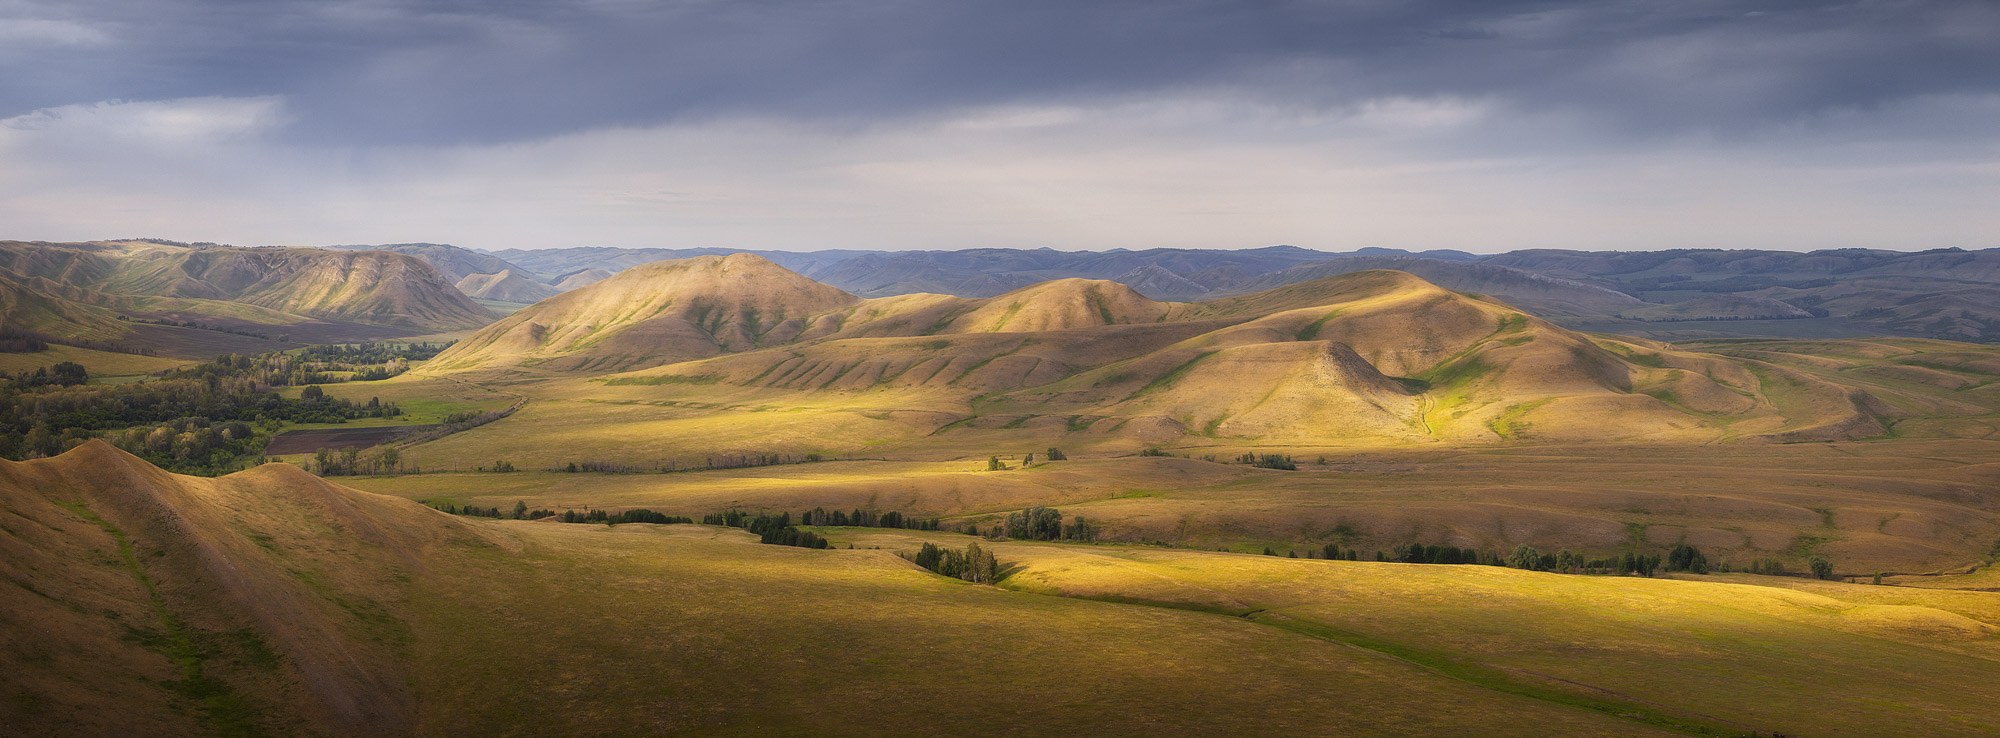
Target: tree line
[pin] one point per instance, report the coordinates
(1681, 558)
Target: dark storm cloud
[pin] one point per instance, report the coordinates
(427, 72)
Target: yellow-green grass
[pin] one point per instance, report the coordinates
(100, 364)
(1895, 506)
(1801, 658)
(644, 629)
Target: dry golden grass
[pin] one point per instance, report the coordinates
(1894, 506)
(1735, 652)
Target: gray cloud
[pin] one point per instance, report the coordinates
(363, 72)
(1475, 124)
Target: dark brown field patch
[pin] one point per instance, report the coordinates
(308, 441)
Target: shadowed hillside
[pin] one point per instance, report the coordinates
(267, 601)
(244, 289)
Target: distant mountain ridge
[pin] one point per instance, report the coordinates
(110, 290)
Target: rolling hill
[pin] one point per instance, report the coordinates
(505, 286)
(1365, 356)
(1670, 294)
(451, 262)
(142, 602)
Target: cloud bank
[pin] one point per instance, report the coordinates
(1414, 123)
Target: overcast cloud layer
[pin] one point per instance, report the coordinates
(1476, 124)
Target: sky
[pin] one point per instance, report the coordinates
(1482, 125)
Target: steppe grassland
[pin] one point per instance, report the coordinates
(1800, 657)
(640, 629)
(1897, 506)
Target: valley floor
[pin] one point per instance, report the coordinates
(1894, 506)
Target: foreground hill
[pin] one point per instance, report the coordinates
(1359, 357)
(268, 602)
(143, 602)
(81, 290)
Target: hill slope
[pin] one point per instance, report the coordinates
(143, 602)
(451, 262)
(79, 289)
(653, 314)
(1362, 357)
(505, 286)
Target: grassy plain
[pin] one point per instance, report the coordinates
(1899, 506)
(644, 629)
(1738, 652)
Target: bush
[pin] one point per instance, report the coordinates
(1821, 568)
(1269, 461)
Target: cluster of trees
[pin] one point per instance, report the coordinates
(973, 564)
(349, 461)
(460, 421)
(356, 354)
(189, 445)
(43, 418)
(866, 519)
(591, 515)
(477, 512)
(1770, 567)
(1045, 524)
(636, 515)
(777, 530)
(62, 374)
(1268, 461)
(316, 365)
(1687, 558)
(22, 341)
